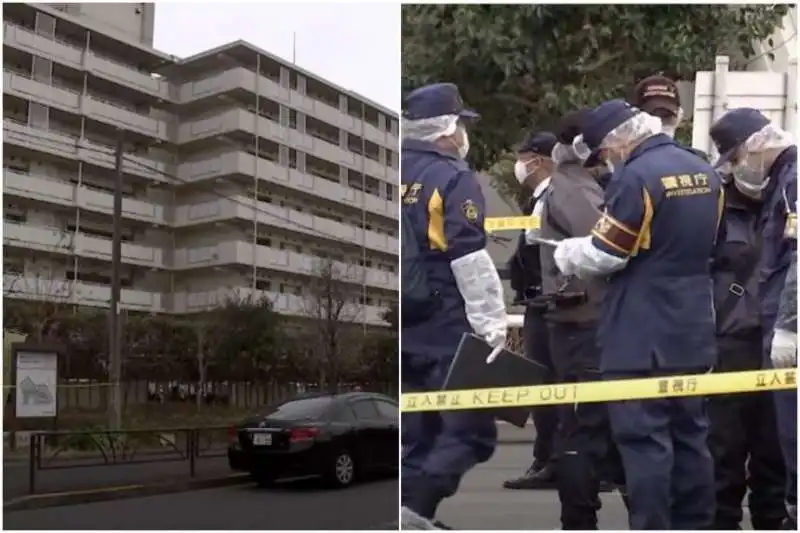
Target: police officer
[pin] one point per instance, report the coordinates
(783, 353)
(654, 241)
(445, 207)
(532, 169)
(572, 206)
(763, 161)
(743, 434)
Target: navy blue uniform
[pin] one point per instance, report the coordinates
(780, 212)
(663, 209)
(446, 208)
(743, 436)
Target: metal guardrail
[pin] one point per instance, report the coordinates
(61, 450)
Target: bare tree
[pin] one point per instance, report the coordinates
(332, 304)
(35, 304)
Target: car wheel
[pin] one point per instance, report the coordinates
(342, 469)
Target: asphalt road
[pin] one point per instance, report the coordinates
(482, 503)
(294, 506)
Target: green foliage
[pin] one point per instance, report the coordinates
(524, 66)
(246, 335)
(243, 339)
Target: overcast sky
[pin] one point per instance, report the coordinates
(356, 46)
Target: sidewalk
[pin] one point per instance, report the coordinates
(77, 477)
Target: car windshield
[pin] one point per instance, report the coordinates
(300, 409)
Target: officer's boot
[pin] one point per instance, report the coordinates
(536, 477)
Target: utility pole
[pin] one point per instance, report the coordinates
(114, 329)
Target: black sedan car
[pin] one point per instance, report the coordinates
(338, 437)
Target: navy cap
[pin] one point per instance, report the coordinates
(733, 129)
(436, 100)
(600, 121)
(540, 142)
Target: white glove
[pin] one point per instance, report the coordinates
(497, 340)
(563, 256)
(784, 349)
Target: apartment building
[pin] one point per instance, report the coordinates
(241, 172)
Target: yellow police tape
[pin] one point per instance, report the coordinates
(602, 391)
(492, 224)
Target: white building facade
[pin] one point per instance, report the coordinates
(241, 172)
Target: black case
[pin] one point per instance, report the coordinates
(469, 370)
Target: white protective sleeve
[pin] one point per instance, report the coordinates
(482, 290)
(579, 257)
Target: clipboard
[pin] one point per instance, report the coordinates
(469, 370)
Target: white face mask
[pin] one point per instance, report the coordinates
(463, 150)
(610, 166)
(520, 171)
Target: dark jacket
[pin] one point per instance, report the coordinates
(780, 199)
(445, 206)
(658, 310)
(787, 312)
(524, 266)
(572, 207)
(734, 270)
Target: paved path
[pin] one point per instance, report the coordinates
(482, 503)
(294, 506)
(16, 483)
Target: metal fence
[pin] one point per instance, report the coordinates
(85, 451)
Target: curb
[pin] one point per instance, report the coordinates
(57, 499)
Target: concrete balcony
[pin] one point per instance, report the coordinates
(65, 54)
(282, 217)
(78, 293)
(245, 253)
(114, 115)
(66, 242)
(67, 194)
(243, 120)
(287, 304)
(72, 147)
(243, 163)
(241, 78)
(90, 106)
(27, 88)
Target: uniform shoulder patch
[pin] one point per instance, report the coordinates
(603, 226)
(470, 210)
